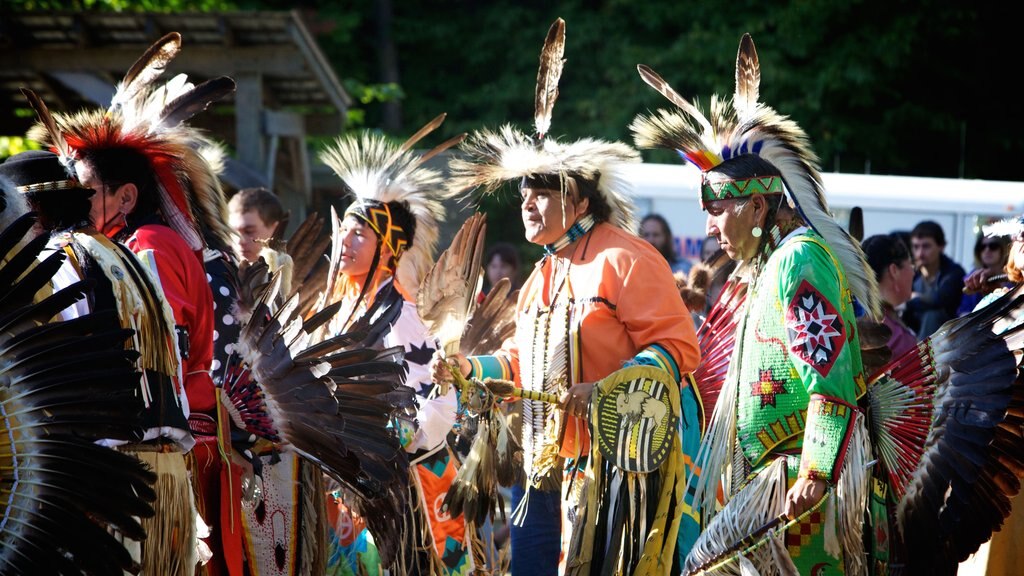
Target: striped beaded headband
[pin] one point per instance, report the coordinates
(743, 188)
(378, 215)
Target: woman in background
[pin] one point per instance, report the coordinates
(656, 231)
(894, 270)
(990, 256)
(501, 261)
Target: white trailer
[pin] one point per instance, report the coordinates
(889, 203)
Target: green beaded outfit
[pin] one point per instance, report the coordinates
(798, 378)
(788, 406)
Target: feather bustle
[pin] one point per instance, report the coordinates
(447, 295)
(66, 385)
(330, 402)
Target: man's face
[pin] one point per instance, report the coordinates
(926, 251)
(730, 222)
(106, 206)
(544, 216)
(250, 229)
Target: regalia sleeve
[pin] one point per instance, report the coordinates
(435, 414)
(815, 305)
(657, 321)
(183, 281)
(501, 365)
(657, 356)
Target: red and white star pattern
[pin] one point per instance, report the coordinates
(816, 331)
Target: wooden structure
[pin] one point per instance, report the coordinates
(286, 88)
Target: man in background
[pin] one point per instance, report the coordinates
(938, 282)
(255, 214)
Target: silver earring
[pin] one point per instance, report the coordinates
(756, 232)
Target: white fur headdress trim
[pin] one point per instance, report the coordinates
(373, 168)
(494, 158)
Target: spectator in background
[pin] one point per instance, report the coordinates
(501, 261)
(938, 283)
(721, 266)
(708, 248)
(254, 216)
(990, 255)
(656, 231)
(894, 270)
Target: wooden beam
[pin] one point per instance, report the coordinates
(208, 61)
(96, 89)
(280, 123)
(318, 63)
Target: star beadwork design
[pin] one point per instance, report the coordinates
(425, 389)
(767, 387)
(816, 331)
(814, 328)
(881, 534)
(420, 355)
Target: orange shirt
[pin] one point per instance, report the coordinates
(625, 299)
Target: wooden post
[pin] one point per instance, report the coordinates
(249, 120)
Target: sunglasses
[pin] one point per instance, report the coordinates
(991, 246)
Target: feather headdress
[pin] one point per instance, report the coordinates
(494, 158)
(743, 126)
(1010, 227)
(149, 120)
(384, 179)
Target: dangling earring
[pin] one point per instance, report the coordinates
(756, 232)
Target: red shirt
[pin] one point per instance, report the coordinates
(184, 282)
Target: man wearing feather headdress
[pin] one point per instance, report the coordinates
(384, 245)
(124, 286)
(147, 172)
(599, 300)
(66, 386)
(788, 447)
(786, 428)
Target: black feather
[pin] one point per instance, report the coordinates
(195, 101)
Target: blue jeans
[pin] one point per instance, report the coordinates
(537, 543)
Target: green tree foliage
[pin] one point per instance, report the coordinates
(11, 145)
(890, 87)
(123, 5)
